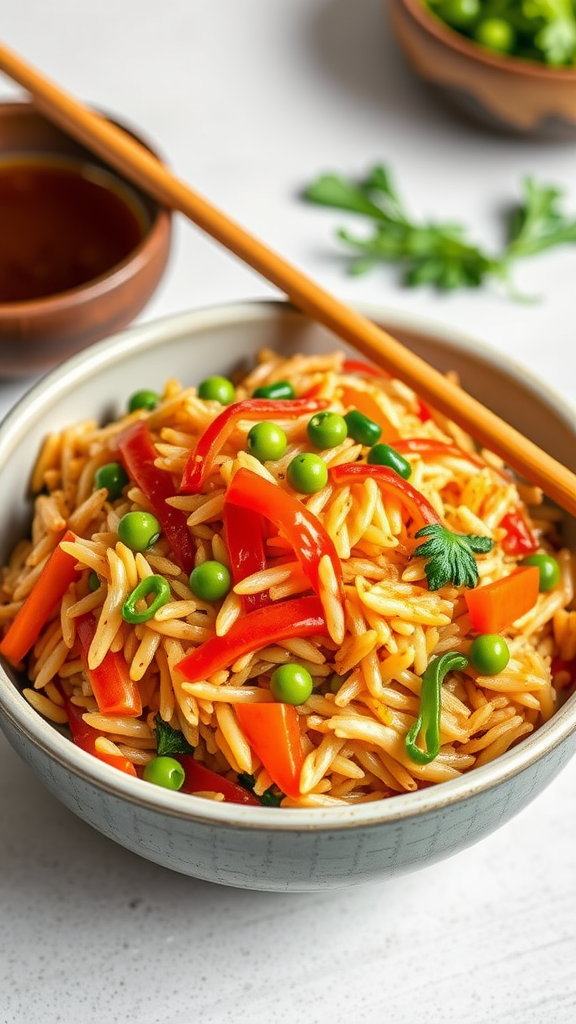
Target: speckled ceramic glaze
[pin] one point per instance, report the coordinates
(251, 847)
(512, 95)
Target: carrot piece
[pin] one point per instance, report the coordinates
(497, 605)
(115, 692)
(273, 732)
(56, 576)
(364, 402)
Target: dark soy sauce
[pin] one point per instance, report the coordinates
(62, 223)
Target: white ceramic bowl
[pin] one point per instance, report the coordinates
(251, 847)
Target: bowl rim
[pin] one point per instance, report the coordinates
(450, 37)
(154, 238)
(47, 738)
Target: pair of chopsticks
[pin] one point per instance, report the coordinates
(138, 165)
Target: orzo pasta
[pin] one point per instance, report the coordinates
(319, 593)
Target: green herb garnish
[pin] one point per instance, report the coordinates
(450, 556)
(432, 253)
(168, 739)
(269, 798)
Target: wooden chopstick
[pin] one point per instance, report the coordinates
(138, 165)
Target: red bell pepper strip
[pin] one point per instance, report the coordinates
(497, 605)
(115, 693)
(244, 536)
(301, 528)
(418, 507)
(199, 779)
(56, 576)
(566, 670)
(359, 366)
(211, 442)
(423, 412)
(85, 737)
(519, 538)
(301, 616)
(138, 454)
(273, 732)
(431, 446)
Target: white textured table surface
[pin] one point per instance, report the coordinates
(249, 99)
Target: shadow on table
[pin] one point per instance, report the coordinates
(353, 45)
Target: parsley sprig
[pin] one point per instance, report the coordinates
(169, 740)
(450, 556)
(438, 253)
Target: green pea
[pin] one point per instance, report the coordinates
(307, 473)
(361, 429)
(138, 530)
(210, 581)
(383, 455)
(327, 429)
(266, 441)
(336, 682)
(548, 568)
(489, 654)
(155, 585)
(279, 389)
(113, 477)
(291, 684)
(165, 771)
(143, 400)
(459, 13)
(93, 581)
(216, 389)
(495, 34)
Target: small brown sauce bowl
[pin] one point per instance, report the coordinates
(501, 92)
(82, 250)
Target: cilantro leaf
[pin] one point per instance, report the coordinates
(431, 253)
(450, 556)
(268, 799)
(439, 254)
(168, 739)
(538, 223)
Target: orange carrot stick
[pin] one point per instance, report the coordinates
(273, 732)
(497, 605)
(57, 575)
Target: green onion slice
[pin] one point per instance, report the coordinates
(156, 585)
(428, 721)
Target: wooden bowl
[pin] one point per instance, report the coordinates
(38, 331)
(501, 92)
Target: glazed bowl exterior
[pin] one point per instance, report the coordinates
(501, 92)
(40, 333)
(260, 847)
